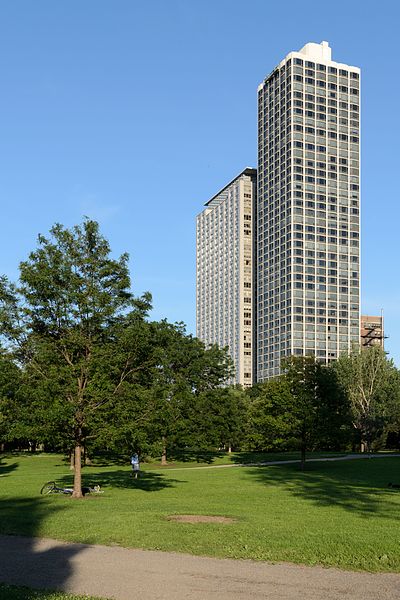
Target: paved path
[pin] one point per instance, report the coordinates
(126, 574)
(270, 463)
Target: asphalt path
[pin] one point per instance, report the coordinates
(271, 463)
(127, 574)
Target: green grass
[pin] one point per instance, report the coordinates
(193, 459)
(334, 514)
(13, 592)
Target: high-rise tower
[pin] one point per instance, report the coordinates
(307, 214)
(224, 286)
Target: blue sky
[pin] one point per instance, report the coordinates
(135, 113)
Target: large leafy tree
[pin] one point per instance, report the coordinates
(124, 424)
(319, 409)
(10, 381)
(371, 382)
(271, 421)
(216, 418)
(64, 320)
(185, 370)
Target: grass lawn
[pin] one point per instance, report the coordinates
(335, 514)
(12, 592)
(205, 458)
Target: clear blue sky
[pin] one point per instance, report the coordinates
(135, 113)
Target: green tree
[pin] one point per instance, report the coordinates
(10, 381)
(320, 410)
(301, 373)
(370, 381)
(64, 319)
(271, 416)
(216, 418)
(184, 370)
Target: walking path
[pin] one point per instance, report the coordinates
(127, 574)
(271, 463)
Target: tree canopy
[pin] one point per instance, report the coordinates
(94, 369)
(82, 367)
(371, 383)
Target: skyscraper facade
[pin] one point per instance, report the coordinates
(224, 261)
(307, 209)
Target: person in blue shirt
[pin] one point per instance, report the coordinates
(135, 465)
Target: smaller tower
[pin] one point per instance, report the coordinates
(224, 279)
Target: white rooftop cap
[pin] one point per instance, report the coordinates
(320, 51)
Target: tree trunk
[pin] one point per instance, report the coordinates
(77, 493)
(303, 458)
(365, 447)
(71, 461)
(229, 448)
(164, 450)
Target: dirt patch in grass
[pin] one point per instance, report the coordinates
(200, 519)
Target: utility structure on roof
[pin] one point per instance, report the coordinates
(372, 331)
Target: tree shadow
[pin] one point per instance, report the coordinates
(260, 457)
(147, 481)
(174, 455)
(26, 560)
(103, 459)
(357, 485)
(195, 455)
(7, 468)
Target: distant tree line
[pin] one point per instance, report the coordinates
(352, 403)
(84, 370)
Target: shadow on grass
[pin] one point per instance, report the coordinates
(255, 457)
(185, 456)
(105, 459)
(7, 468)
(195, 455)
(27, 560)
(360, 486)
(147, 481)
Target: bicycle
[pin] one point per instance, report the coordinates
(52, 488)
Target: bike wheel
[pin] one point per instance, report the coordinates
(48, 487)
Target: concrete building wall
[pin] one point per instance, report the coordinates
(307, 213)
(224, 277)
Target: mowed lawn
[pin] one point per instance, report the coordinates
(335, 514)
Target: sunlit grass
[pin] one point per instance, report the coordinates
(335, 514)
